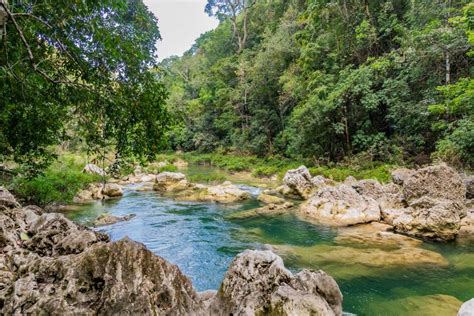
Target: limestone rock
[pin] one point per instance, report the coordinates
(97, 191)
(7, 199)
(467, 309)
(171, 182)
(257, 282)
(108, 219)
(429, 218)
(400, 175)
(466, 232)
(112, 190)
(93, 169)
(437, 182)
(469, 184)
(225, 193)
(340, 206)
(435, 204)
(299, 181)
(286, 191)
(147, 178)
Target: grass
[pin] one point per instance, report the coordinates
(58, 184)
(267, 167)
(207, 178)
(380, 172)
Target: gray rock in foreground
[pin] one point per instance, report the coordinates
(50, 265)
(257, 282)
(467, 309)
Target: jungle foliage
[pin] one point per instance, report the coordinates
(78, 72)
(329, 79)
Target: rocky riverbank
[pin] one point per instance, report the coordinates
(50, 265)
(431, 203)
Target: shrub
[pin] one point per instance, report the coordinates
(59, 183)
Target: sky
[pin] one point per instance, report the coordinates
(180, 22)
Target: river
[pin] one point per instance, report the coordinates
(202, 240)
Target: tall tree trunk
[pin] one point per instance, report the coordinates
(448, 68)
(3, 19)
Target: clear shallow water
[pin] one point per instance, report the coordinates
(202, 242)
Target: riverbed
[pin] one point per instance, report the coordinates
(202, 240)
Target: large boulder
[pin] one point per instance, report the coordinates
(171, 182)
(50, 265)
(388, 196)
(257, 282)
(467, 309)
(94, 169)
(7, 199)
(340, 206)
(97, 191)
(437, 182)
(434, 199)
(222, 193)
(428, 218)
(299, 182)
(112, 190)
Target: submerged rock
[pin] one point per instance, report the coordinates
(267, 210)
(93, 169)
(374, 235)
(340, 206)
(439, 305)
(270, 199)
(108, 219)
(257, 282)
(368, 257)
(467, 309)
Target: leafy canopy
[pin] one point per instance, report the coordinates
(78, 69)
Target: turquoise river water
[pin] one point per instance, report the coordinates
(202, 241)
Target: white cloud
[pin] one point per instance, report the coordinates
(180, 22)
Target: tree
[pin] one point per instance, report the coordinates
(233, 10)
(86, 61)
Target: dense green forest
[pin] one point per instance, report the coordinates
(328, 80)
(78, 74)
